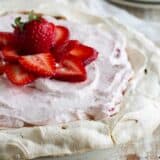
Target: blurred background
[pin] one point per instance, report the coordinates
(141, 15)
(145, 9)
(146, 16)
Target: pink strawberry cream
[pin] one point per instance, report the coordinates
(49, 101)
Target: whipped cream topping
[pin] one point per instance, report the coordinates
(48, 101)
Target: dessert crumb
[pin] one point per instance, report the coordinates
(21, 136)
(64, 127)
(133, 157)
(60, 17)
(145, 71)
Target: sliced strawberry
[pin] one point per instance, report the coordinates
(1, 55)
(42, 64)
(84, 53)
(10, 54)
(17, 75)
(62, 34)
(73, 47)
(2, 67)
(70, 69)
(6, 38)
(62, 50)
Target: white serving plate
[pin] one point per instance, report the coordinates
(153, 4)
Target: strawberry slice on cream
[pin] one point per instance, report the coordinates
(74, 48)
(6, 38)
(10, 54)
(18, 75)
(70, 69)
(62, 35)
(42, 64)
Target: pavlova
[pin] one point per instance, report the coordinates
(64, 86)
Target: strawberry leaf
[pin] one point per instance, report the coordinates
(18, 23)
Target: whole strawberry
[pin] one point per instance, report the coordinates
(36, 36)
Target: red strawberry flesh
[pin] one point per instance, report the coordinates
(70, 69)
(17, 75)
(61, 35)
(84, 53)
(10, 54)
(42, 64)
(60, 51)
(2, 67)
(6, 38)
(72, 47)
